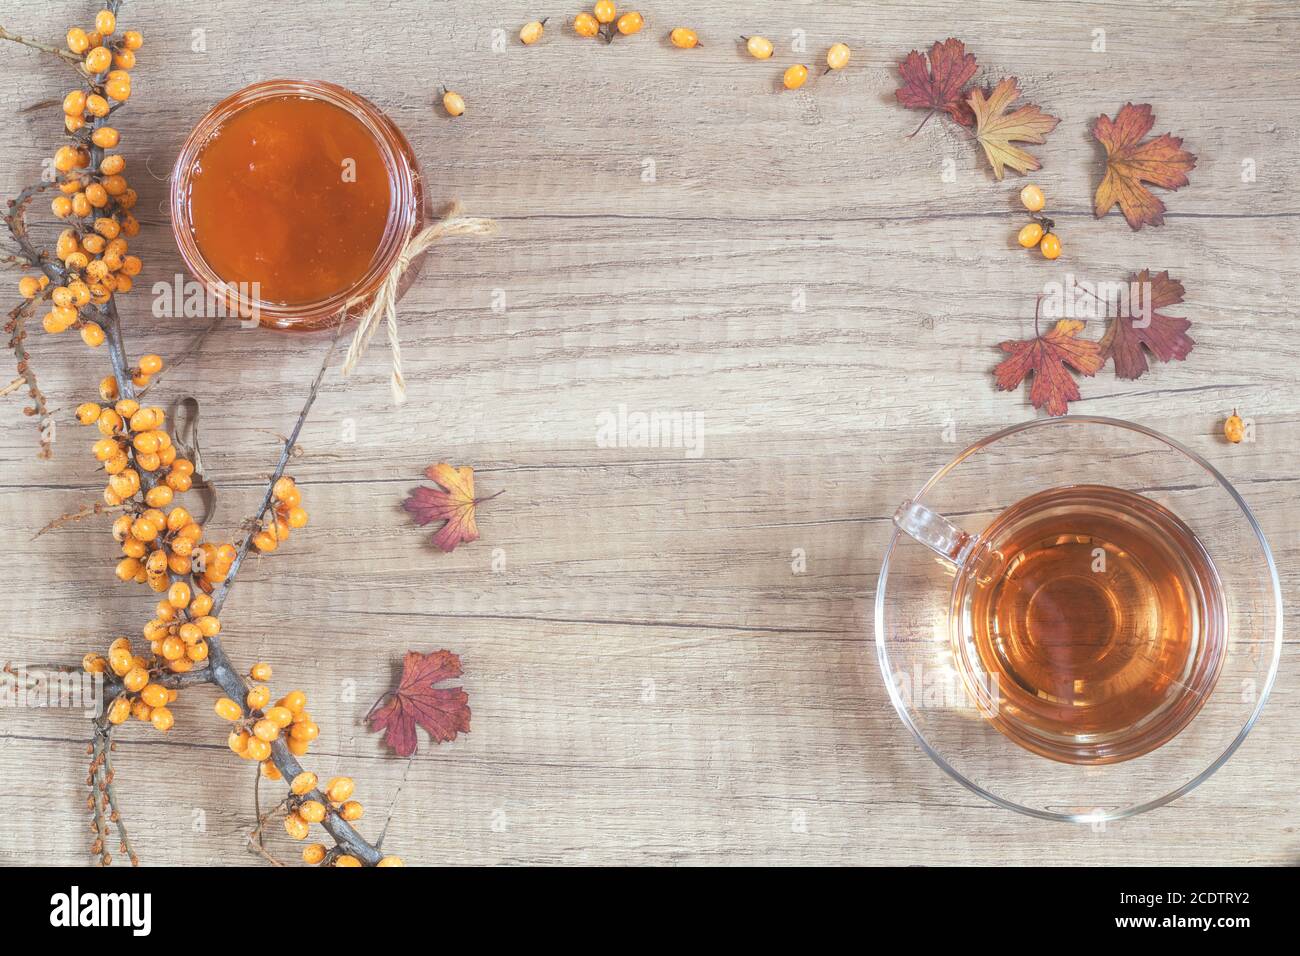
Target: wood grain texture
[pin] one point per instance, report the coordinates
(650, 681)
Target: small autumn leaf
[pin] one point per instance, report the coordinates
(938, 87)
(1047, 357)
(1164, 336)
(454, 503)
(1130, 163)
(442, 712)
(996, 129)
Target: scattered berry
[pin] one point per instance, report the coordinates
(530, 33)
(760, 48)
(1234, 429)
(453, 103)
(684, 37)
(837, 57)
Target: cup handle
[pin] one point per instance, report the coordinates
(935, 532)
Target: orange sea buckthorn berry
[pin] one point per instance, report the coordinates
(74, 104)
(340, 788)
(313, 853)
(118, 89)
(280, 717)
(151, 364)
(162, 719)
(257, 698)
(837, 57)
(296, 827)
(106, 137)
(453, 103)
(258, 749)
(98, 107)
(266, 730)
(313, 811)
(294, 701)
(202, 603)
(282, 487)
(1029, 235)
(28, 287)
(88, 413)
(265, 542)
(178, 595)
(107, 384)
(630, 23)
(119, 710)
(237, 741)
(298, 748)
(92, 335)
(98, 60)
(305, 782)
(604, 11)
(124, 59)
(135, 679)
(227, 709)
(530, 33)
(795, 76)
(155, 695)
(1050, 246)
(305, 731)
(1234, 429)
(105, 22)
(77, 41)
(347, 860)
(133, 39)
(352, 811)
(1032, 198)
(585, 25)
(390, 861)
(760, 48)
(260, 671)
(684, 37)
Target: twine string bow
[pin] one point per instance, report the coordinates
(384, 304)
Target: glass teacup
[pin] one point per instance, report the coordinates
(1078, 618)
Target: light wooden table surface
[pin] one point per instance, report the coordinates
(650, 680)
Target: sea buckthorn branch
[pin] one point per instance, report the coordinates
(63, 54)
(219, 670)
(16, 327)
(145, 471)
(104, 798)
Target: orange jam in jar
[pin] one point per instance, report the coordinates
(292, 200)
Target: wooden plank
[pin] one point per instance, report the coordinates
(651, 681)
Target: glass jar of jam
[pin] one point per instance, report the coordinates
(292, 199)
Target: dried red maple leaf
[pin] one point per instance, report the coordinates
(453, 503)
(1047, 357)
(443, 712)
(1130, 163)
(1164, 336)
(940, 86)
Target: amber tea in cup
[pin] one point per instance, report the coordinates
(1078, 618)
(1089, 622)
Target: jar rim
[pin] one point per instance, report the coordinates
(402, 214)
